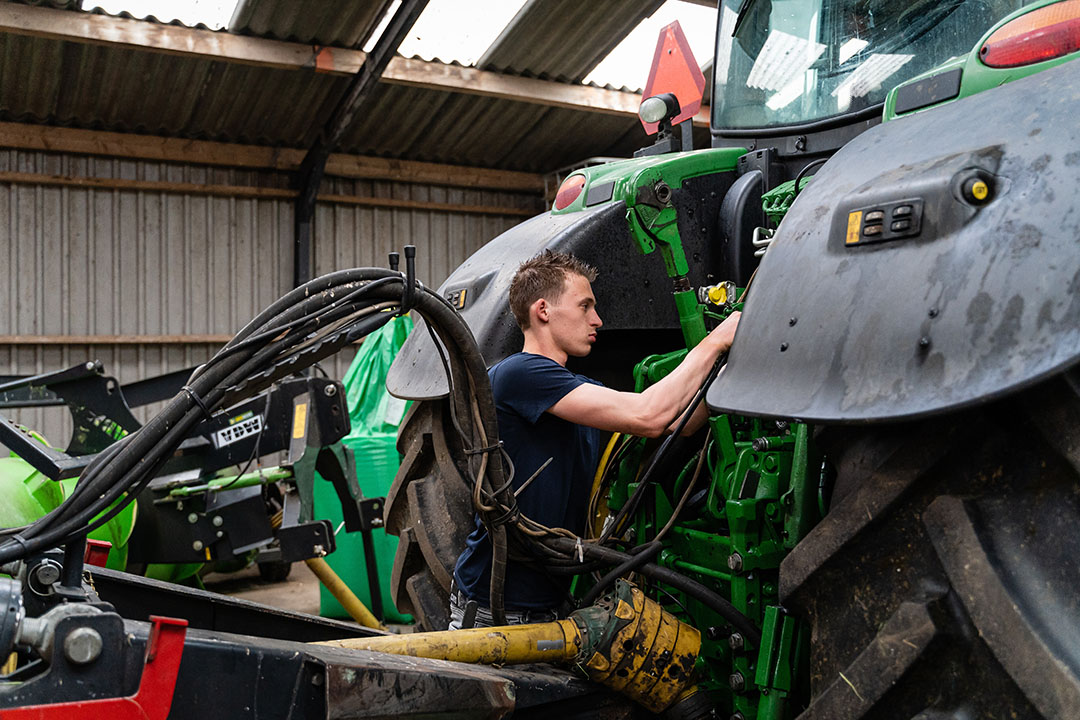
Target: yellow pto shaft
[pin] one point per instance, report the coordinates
(626, 641)
(509, 645)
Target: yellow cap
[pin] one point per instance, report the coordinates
(718, 295)
(979, 190)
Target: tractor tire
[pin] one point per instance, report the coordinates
(945, 580)
(429, 508)
(274, 571)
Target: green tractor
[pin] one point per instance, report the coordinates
(881, 509)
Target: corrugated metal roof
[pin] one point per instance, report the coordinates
(95, 86)
(341, 24)
(564, 39)
(115, 88)
(107, 87)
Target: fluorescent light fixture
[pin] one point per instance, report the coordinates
(851, 48)
(783, 58)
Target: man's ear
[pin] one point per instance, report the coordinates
(540, 310)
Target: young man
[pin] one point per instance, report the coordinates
(548, 412)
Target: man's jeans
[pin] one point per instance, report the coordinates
(483, 614)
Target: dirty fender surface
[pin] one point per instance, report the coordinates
(983, 301)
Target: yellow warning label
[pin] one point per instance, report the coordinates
(299, 422)
(461, 299)
(854, 224)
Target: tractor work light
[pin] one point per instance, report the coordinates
(656, 109)
(1043, 34)
(569, 190)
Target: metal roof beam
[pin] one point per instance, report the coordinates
(81, 27)
(313, 166)
(205, 152)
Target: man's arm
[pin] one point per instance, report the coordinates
(649, 413)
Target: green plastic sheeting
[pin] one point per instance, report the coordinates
(375, 416)
(26, 495)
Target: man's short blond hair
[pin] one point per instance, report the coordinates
(543, 276)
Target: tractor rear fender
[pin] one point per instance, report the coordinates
(842, 325)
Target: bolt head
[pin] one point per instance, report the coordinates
(89, 366)
(47, 573)
(193, 518)
(737, 681)
(735, 562)
(330, 390)
(218, 521)
(735, 641)
(197, 545)
(662, 191)
(82, 645)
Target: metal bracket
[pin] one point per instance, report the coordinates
(310, 540)
(371, 513)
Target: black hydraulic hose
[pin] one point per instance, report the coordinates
(691, 587)
(638, 557)
(802, 173)
(134, 460)
(289, 326)
(631, 504)
(574, 568)
(312, 287)
(298, 322)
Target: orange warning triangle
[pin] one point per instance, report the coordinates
(674, 70)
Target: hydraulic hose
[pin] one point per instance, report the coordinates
(654, 572)
(638, 557)
(300, 328)
(630, 506)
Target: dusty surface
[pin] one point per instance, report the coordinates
(299, 592)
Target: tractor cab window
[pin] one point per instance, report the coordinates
(797, 61)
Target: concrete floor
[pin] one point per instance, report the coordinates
(299, 592)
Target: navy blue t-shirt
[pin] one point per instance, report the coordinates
(525, 386)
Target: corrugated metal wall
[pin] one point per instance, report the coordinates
(99, 261)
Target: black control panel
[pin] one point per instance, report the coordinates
(884, 222)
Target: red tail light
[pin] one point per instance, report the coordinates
(569, 190)
(1043, 34)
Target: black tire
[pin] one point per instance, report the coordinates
(275, 571)
(945, 580)
(429, 508)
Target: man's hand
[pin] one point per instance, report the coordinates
(724, 334)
